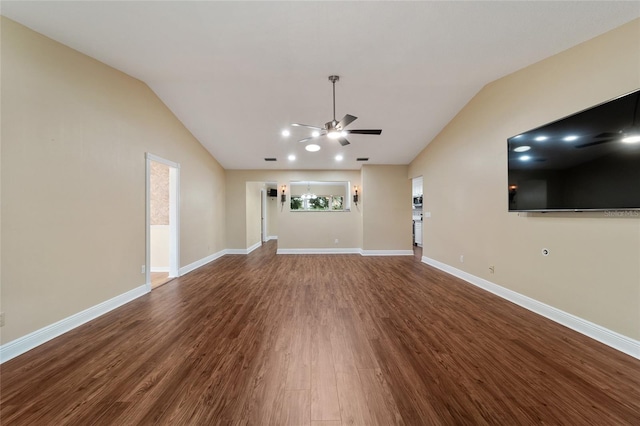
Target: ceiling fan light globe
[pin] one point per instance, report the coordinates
(631, 138)
(333, 134)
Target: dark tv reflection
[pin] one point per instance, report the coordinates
(587, 161)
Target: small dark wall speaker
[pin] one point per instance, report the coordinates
(273, 192)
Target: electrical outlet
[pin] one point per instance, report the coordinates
(143, 269)
(336, 241)
(1, 319)
(492, 269)
(462, 258)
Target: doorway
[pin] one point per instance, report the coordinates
(417, 200)
(263, 215)
(162, 220)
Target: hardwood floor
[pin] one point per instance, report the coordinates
(159, 278)
(321, 340)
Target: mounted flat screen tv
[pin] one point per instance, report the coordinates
(586, 161)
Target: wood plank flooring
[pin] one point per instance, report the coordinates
(159, 278)
(320, 340)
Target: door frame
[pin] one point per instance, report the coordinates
(263, 215)
(174, 216)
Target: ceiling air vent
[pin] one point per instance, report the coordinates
(270, 159)
(362, 159)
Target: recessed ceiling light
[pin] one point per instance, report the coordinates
(286, 133)
(291, 157)
(570, 138)
(312, 147)
(525, 157)
(315, 134)
(541, 138)
(339, 157)
(631, 138)
(523, 148)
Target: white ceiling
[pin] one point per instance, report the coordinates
(238, 73)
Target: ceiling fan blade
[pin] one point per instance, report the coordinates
(343, 141)
(306, 139)
(365, 132)
(306, 125)
(586, 145)
(346, 120)
(607, 135)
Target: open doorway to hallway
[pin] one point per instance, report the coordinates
(162, 220)
(417, 200)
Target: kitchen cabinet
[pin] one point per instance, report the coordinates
(417, 239)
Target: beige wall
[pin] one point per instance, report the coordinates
(593, 270)
(253, 212)
(386, 208)
(159, 197)
(159, 240)
(295, 229)
(74, 137)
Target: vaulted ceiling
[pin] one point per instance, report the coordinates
(238, 73)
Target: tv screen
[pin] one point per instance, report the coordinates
(587, 161)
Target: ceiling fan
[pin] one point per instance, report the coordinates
(336, 129)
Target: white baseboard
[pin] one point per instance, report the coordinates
(244, 251)
(236, 251)
(272, 237)
(26, 343)
(603, 335)
(255, 246)
(159, 269)
(320, 251)
(386, 252)
(198, 263)
(346, 251)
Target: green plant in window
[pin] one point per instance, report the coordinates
(319, 203)
(296, 203)
(337, 203)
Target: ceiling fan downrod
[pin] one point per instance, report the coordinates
(333, 79)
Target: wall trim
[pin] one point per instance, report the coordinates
(244, 251)
(159, 269)
(255, 246)
(320, 251)
(236, 251)
(386, 252)
(272, 237)
(198, 263)
(610, 338)
(25, 343)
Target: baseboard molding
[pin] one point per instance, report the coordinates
(25, 343)
(159, 269)
(255, 246)
(198, 263)
(320, 251)
(386, 252)
(603, 335)
(272, 237)
(236, 251)
(244, 251)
